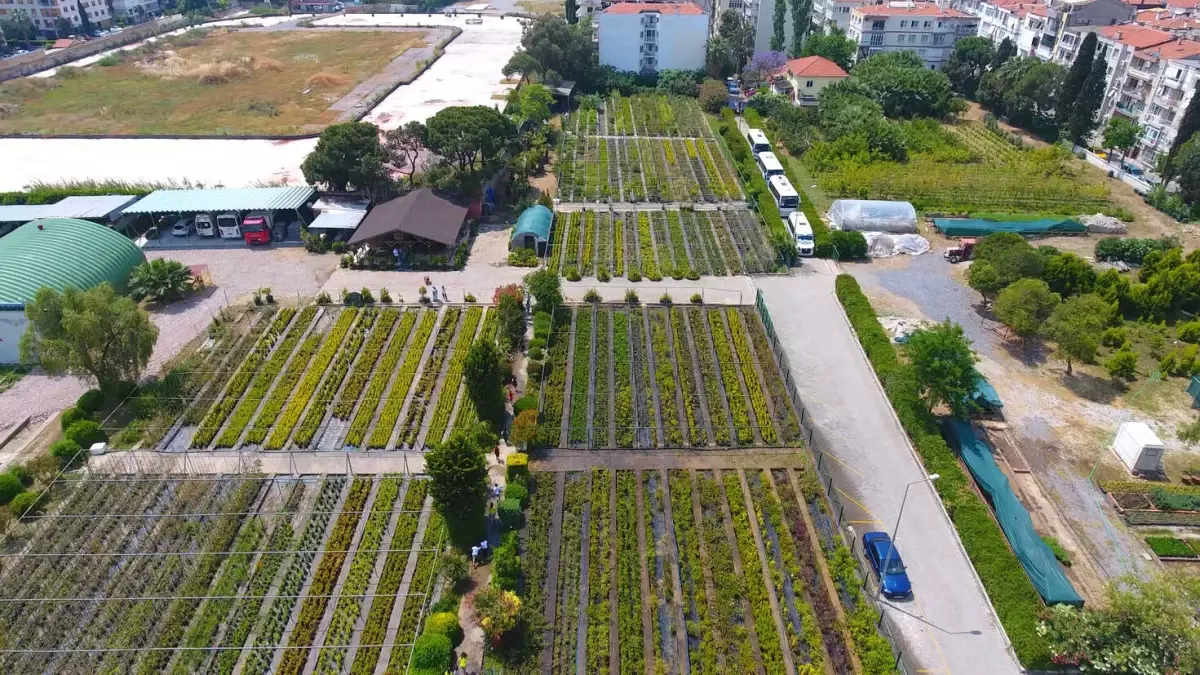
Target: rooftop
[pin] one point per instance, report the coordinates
(660, 7)
(911, 9)
(223, 199)
(1176, 49)
(420, 213)
(813, 66)
(1138, 37)
(61, 252)
(98, 206)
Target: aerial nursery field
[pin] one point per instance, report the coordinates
(682, 570)
(327, 378)
(250, 574)
(673, 377)
(645, 148)
(969, 167)
(681, 244)
(206, 82)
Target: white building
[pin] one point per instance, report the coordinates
(45, 12)
(645, 37)
(1151, 79)
(830, 13)
(137, 10)
(921, 27)
(803, 79)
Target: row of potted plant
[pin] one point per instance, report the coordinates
(629, 577)
(746, 361)
(600, 542)
(733, 389)
(303, 393)
(708, 374)
(580, 377)
(752, 566)
(264, 378)
(536, 547)
(281, 394)
(600, 416)
(411, 426)
(467, 416)
(729, 250)
(647, 422)
(697, 620)
(219, 376)
(687, 379)
(706, 257)
(623, 392)
(554, 379)
(452, 381)
(216, 415)
(664, 375)
(366, 364)
(423, 576)
(785, 414)
(398, 393)
(730, 587)
(375, 629)
(569, 563)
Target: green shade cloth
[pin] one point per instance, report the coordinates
(61, 252)
(535, 221)
(985, 396)
(1036, 557)
(977, 227)
(1193, 390)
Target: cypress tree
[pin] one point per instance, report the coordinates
(1073, 82)
(572, 11)
(779, 26)
(1004, 52)
(1188, 125)
(801, 9)
(1083, 118)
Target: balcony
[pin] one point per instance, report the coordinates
(649, 36)
(1130, 108)
(1167, 102)
(1143, 70)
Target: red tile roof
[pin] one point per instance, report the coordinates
(813, 66)
(62, 43)
(1138, 37)
(1146, 4)
(1163, 19)
(1183, 4)
(1176, 49)
(916, 9)
(661, 7)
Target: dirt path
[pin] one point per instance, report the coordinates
(473, 635)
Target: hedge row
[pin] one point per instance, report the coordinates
(756, 187)
(823, 247)
(1012, 594)
(52, 193)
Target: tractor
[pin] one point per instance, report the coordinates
(961, 252)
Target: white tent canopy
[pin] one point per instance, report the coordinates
(873, 216)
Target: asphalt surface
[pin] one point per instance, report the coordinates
(948, 626)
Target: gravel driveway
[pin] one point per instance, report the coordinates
(949, 625)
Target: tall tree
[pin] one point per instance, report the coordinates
(1122, 134)
(739, 34)
(531, 103)
(1025, 305)
(470, 136)
(763, 65)
(85, 24)
(559, 49)
(404, 145)
(1188, 125)
(1073, 83)
(944, 364)
(1075, 326)
(483, 377)
(546, 288)
(967, 64)
(1005, 51)
(572, 11)
(511, 319)
(95, 334)
(1087, 106)
(1186, 167)
(719, 59)
(18, 26)
(347, 155)
(459, 483)
(779, 26)
(801, 11)
(833, 45)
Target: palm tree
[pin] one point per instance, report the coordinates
(160, 280)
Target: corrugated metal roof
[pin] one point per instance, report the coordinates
(534, 220)
(20, 213)
(338, 219)
(223, 199)
(61, 252)
(98, 206)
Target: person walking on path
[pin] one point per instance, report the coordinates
(462, 662)
(474, 556)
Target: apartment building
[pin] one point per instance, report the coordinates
(1152, 76)
(835, 13)
(138, 10)
(1051, 30)
(649, 37)
(921, 27)
(45, 12)
(1019, 21)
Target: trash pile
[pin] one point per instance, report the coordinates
(885, 245)
(1103, 224)
(900, 327)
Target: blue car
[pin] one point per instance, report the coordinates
(893, 579)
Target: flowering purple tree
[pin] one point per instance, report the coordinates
(763, 64)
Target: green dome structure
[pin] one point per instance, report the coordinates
(61, 252)
(533, 229)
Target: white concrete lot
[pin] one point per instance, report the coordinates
(949, 625)
(467, 74)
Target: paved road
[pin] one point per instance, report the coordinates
(949, 626)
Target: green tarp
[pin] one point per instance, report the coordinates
(1036, 557)
(985, 396)
(977, 227)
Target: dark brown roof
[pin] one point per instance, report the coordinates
(420, 213)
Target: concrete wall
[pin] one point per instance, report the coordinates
(12, 327)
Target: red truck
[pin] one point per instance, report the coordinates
(256, 228)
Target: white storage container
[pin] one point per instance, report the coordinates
(1139, 448)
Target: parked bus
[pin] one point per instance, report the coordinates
(768, 164)
(758, 141)
(801, 230)
(786, 197)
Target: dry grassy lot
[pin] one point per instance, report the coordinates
(223, 82)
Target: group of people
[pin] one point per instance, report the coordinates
(434, 289)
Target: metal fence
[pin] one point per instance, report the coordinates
(295, 462)
(816, 463)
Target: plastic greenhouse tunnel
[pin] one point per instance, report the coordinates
(873, 216)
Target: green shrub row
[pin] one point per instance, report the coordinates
(1172, 547)
(303, 393)
(1012, 594)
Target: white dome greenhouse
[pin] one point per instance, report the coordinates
(872, 216)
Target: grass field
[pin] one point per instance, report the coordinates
(223, 82)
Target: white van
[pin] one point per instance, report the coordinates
(205, 226)
(227, 226)
(802, 232)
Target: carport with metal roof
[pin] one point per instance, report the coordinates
(207, 200)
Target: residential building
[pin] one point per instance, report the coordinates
(137, 10)
(1164, 19)
(649, 37)
(1152, 76)
(1019, 21)
(1051, 30)
(45, 12)
(921, 27)
(835, 13)
(803, 79)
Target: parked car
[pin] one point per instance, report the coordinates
(889, 568)
(205, 227)
(183, 227)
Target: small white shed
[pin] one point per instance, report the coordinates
(1139, 448)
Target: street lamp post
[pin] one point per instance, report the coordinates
(896, 530)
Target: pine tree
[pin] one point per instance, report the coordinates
(1188, 125)
(1004, 52)
(1083, 118)
(779, 27)
(1073, 83)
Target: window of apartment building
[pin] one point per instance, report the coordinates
(904, 23)
(1151, 135)
(1156, 110)
(928, 24)
(877, 25)
(925, 38)
(939, 24)
(939, 39)
(877, 39)
(808, 84)
(912, 38)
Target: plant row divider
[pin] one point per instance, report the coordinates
(735, 315)
(648, 342)
(383, 350)
(697, 377)
(739, 570)
(323, 427)
(687, 245)
(403, 596)
(755, 425)
(552, 557)
(712, 221)
(376, 573)
(329, 368)
(647, 619)
(564, 431)
(710, 588)
(672, 546)
(410, 393)
(712, 354)
(685, 430)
